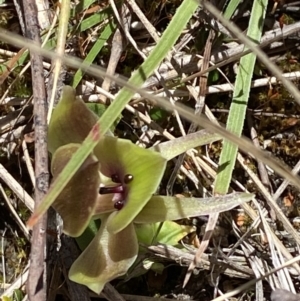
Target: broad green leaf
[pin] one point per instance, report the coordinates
(170, 233)
(175, 147)
(76, 203)
(71, 121)
(107, 257)
(121, 157)
(163, 208)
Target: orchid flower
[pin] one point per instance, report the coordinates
(116, 183)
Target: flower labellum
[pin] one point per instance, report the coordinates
(136, 172)
(119, 191)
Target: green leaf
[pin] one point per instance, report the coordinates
(95, 19)
(213, 76)
(179, 21)
(62, 32)
(170, 233)
(149, 264)
(163, 208)
(107, 257)
(18, 295)
(99, 109)
(158, 114)
(121, 157)
(76, 203)
(175, 147)
(83, 5)
(231, 8)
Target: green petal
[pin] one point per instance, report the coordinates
(121, 157)
(162, 208)
(71, 121)
(107, 257)
(76, 203)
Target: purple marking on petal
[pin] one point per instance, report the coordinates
(118, 197)
(107, 190)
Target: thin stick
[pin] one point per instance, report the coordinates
(3, 257)
(28, 163)
(15, 214)
(16, 188)
(37, 283)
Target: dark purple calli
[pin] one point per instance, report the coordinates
(119, 191)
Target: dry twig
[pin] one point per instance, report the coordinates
(36, 286)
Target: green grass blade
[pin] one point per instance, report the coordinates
(95, 19)
(231, 8)
(106, 33)
(239, 103)
(84, 4)
(168, 39)
(60, 49)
